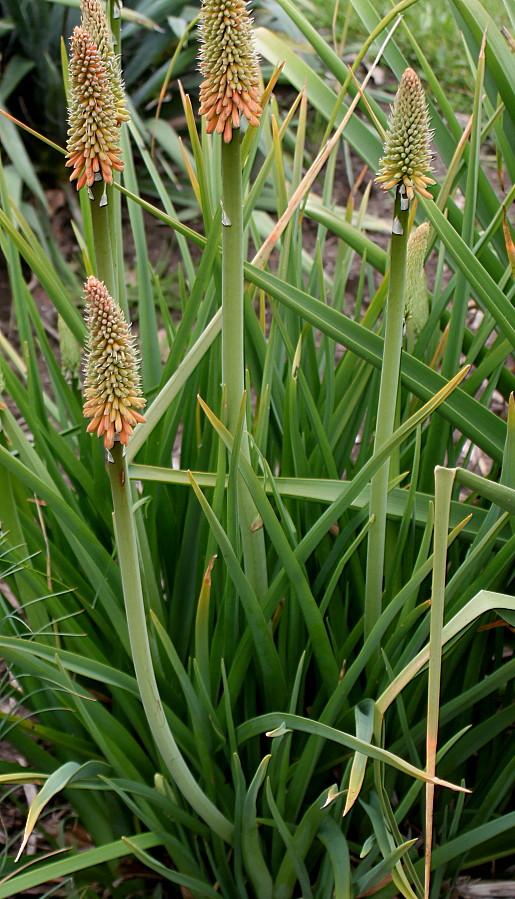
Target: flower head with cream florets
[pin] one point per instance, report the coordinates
(407, 155)
(93, 135)
(94, 21)
(112, 379)
(228, 62)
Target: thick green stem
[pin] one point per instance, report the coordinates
(386, 413)
(233, 358)
(115, 202)
(135, 610)
(232, 280)
(444, 482)
(102, 237)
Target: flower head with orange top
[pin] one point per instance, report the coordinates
(112, 379)
(97, 100)
(228, 62)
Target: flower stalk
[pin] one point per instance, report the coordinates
(113, 397)
(233, 358)
(444, 483)
(113, 14)
(230, 89)
(403, 167)
(103, 237)
(125, 533)
(232, 280)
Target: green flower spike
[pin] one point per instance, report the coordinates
(95, 23)
(407, 156)
(71, 351)
(2, 388)
(112, 380)
(92, 147)
(416, 302)
(228, 62)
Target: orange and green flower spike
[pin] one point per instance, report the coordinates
(93, 135)
(228, 62)
(112, 378)
(407, 155)
(95, 23)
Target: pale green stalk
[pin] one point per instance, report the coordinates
(143, 666)
(232, 279)
(105, 236)
(115, 201)
(444, 481)
(386, 413)
(101, 228)
(233, 359)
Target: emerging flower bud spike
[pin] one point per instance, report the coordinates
(407, 156)
(112, 380)
(416, 300)
(228, 62)
(93, 135)
(2, 388)
(71, 351)
(95, 23)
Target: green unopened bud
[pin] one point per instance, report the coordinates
(95, 23)
(417, 296)
(70, 349)
(228, 62)
(93, 135)
(112, 379)
(407, 156)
